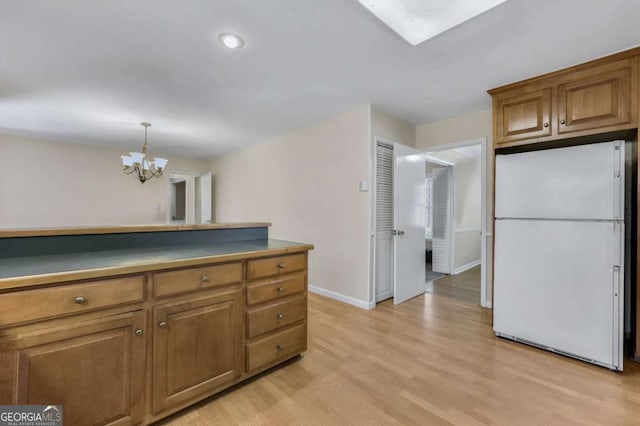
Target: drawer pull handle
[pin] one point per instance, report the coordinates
(563, 122)
(280, 316)
(280, 289)
(280, 348)
(546, 124)
(80, 300)
(163, 324)
(281, 265)
(204, 278)
(139, 332)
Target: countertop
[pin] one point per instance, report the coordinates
(93, 230)
(36, 270)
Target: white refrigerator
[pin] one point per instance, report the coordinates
(559, 251)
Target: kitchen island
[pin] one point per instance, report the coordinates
(127, 325)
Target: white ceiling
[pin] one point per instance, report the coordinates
(90, 71)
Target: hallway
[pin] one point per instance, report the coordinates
(463, 287)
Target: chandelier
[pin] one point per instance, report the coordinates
(145, 169)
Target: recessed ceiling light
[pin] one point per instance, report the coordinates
(231, 41)
(419, 20)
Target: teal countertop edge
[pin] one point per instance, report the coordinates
(57, 267)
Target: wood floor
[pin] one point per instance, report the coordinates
(431, 360)
(463, 286)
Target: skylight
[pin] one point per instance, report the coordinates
(419, 20)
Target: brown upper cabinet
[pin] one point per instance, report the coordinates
(596, 97)
(523, 114)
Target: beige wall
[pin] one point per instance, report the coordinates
(44, 183)
(465, 127)
(387, 126)
(306, 184)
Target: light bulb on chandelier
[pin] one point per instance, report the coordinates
(145, 169)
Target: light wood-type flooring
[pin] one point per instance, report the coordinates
(463, 286)
(431, 360)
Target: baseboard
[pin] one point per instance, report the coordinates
(463, 268)
(342, 298)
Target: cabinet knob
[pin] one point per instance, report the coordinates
(204, 278)
(163, 324)
(546, 124)
(139, 332)
(280, 289)
(281, 265)
(280, 348)
(280, 316)
(80, 300)
(562, 121)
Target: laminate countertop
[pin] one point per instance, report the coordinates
(37, 270)
(120, 229)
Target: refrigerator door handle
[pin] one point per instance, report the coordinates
(618, 196)
(617, 320)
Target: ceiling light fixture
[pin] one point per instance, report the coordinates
(419, 20)
(146, 169)
(231, 40)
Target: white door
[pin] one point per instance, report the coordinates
(442, 212)
(409, 203)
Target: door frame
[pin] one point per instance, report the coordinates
(190, 187)
(482, 141)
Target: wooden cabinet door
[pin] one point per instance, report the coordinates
(197, 348)
(522, 115)
(598, 98)
(95, 371)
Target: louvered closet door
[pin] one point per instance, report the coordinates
(441, 219)
(384, 222)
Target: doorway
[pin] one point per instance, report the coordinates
(449, 247)
(439, 179)
(189, 198)
(458, 210)
(178, 200)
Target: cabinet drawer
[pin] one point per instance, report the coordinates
(192, 279)
(271, 317)
(277, 347)
(276, 289)
(30, 305)
(275, 265)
